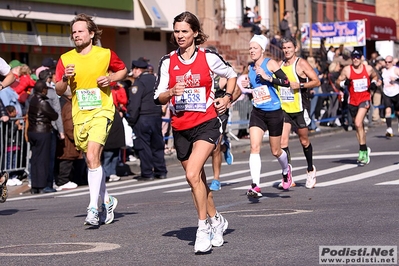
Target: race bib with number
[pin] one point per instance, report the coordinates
(286, 94)
(89, 98)
(261, 95)
(360, 85)
(193, 99)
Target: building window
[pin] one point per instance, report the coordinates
(152, 36)
(17, 26)
(369, 2)
(44, 28)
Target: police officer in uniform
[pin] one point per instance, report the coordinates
(146, 120)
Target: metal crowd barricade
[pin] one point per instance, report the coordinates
(15, 151)
(240, 111)
(239, 116)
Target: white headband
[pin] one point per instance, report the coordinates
(261, 40)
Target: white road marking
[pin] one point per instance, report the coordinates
(303, 176)
(258, 212)
(360, 176)
(394, 182)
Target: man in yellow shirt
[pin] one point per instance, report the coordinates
(89, 70)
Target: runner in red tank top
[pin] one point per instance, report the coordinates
(186, 81)
(357, 77)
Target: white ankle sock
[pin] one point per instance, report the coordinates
(215, 220)
(203, 223)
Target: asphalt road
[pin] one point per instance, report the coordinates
(155, 222)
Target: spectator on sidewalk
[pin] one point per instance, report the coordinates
(313, 93)
(7, 78)
(15, 66)
(13, 145)
(3, 118)
(48, 76)
(248, 21)
(146, 120)
(120, 97)
(285, 26)
(323, 61)
(330, 54)
(40, 115)
(24, 86)
(66, 151)
(47, 63)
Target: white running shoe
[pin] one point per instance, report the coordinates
(218, 231)
(92, 216)
(389, 132)
(311, 178)
(14, 182)
(113, 178)
(203, 239)
(107, 214)
(67, 186)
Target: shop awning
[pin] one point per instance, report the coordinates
(153, 16)
(377, 28)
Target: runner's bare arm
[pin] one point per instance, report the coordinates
(307, 69)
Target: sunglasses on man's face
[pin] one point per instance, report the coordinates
(388, 62)
(356, 56)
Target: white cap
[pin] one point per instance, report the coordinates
(261, 40)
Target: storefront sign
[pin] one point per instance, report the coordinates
(348, 33)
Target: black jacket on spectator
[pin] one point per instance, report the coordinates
(285, 30)
(116, 136)
(141, 99)
(40, 114)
